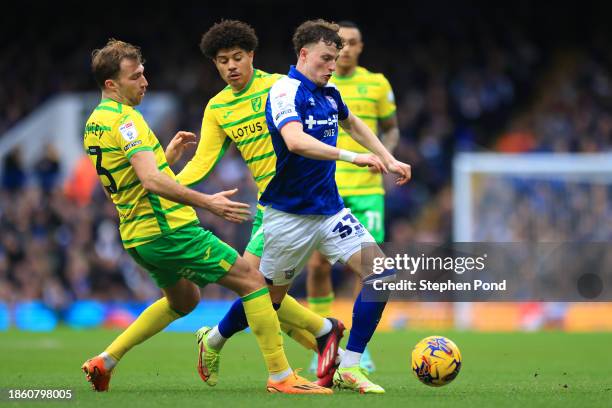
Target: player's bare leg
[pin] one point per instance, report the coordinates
(252, 259)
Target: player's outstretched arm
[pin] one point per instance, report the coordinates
(300, 142)
(211, 148)
(365, 137)
(156, 182)
(390, 133)
(177, 145)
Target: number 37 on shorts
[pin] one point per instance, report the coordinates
(348, 225)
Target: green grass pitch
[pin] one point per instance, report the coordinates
(542, 369)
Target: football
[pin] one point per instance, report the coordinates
(436, 361)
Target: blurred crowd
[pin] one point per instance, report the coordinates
(464, 80)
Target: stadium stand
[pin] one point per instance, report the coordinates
(464, 81)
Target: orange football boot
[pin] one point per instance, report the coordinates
(294, 384)
(96, 373)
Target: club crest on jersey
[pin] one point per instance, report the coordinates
(289, 274)
(128, 131)
(256, 104)
(332, 102)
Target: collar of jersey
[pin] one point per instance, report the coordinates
(104, 100)
(294, 73)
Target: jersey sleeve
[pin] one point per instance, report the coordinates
(284, 104)
(133, 134)
(211, 148)
(385, 103)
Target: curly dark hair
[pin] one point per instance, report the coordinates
(228, 34)
(313, 31)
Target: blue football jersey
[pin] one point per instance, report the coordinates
(302, 185)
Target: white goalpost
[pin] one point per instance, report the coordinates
(536, 197)
(477, 176)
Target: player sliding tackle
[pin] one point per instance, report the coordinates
(303, 209)
(237, 114)
(159, 227)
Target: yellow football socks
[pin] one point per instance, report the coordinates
(300, 323)
(321, 305)
(264, 324)
(302, 336)
(293, 313)
(151, 321)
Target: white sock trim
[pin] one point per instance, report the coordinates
(327, 326)
(282, 375)
(215, 339)
(109, 362)
(350, 359)
(341, 352)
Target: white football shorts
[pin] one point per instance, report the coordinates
(290, 239)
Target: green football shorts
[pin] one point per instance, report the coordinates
(190, 252)
(256, 243)
(370, 211)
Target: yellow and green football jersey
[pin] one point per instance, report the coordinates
(239, 118)
(369, 97)
(113, 133)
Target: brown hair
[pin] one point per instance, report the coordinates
(228, 34)
(313, 31)
(106, 62)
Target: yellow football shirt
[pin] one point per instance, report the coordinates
(113, 133)
(239, 118)
(369, 97)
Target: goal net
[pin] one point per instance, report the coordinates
(532, 198)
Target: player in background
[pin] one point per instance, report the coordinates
(159, 227)
(304, 211)
(369, 97)
(237, 114)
